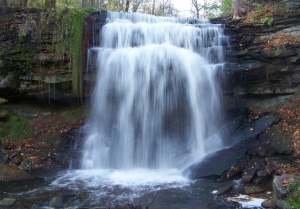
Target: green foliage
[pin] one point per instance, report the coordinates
(59, 3)
(76, 37)
(67, 37)
(293, 198)
(225, 7)
(267, 20)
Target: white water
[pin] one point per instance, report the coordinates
(156, 103)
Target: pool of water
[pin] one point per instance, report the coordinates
(161, 189)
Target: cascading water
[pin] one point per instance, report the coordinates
(156, 101)
(156, 108)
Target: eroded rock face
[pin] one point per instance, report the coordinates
(265, 59)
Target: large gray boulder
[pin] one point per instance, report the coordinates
(215, 164)
(281, 189)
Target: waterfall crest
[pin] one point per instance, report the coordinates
(156, 102)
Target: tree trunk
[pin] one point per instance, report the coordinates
(92, 3)
(127, 5)
(153, 7)
(50, 3)
(24, 3)
(84, 3)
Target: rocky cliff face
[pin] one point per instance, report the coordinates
(28, 62)
(265, 56)
(263, 77)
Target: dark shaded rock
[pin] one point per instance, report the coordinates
(224, 189)
(252, 129)
(17, 159)
(215, 164)
(273, 142)
(25, 165)
(7, 201)
(254, 165)
(9, 173)
(56, 202)
(281, 204)
(253, 189)
(3, 156)
(236, 169)
(266, 204)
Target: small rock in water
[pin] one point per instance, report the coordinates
(56, 202)
(7, 201)
(223, 189)
(266, 204)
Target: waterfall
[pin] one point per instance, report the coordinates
(156, 101)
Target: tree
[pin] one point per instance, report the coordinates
(208, 9)
(127, 5)
(153, 7)
(197, 7)
(50, 3)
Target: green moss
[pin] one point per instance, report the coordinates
(16, 127)
(68, 37)
(293, 197)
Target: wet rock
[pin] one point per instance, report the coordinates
(266, 204)
(7, 201)
(253, 189)
(224, 189)
(10, 173)
(236, 169)
(215, 164)
(56, 202)
(273, 142)
(253, 166)
(252, 129)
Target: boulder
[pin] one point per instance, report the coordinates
(280, 185)
(254, 165)
(266, 204)
(253, 128)
(273, 142)
(281, 189)
(215, 164)
(10, 173)
(7, 201)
